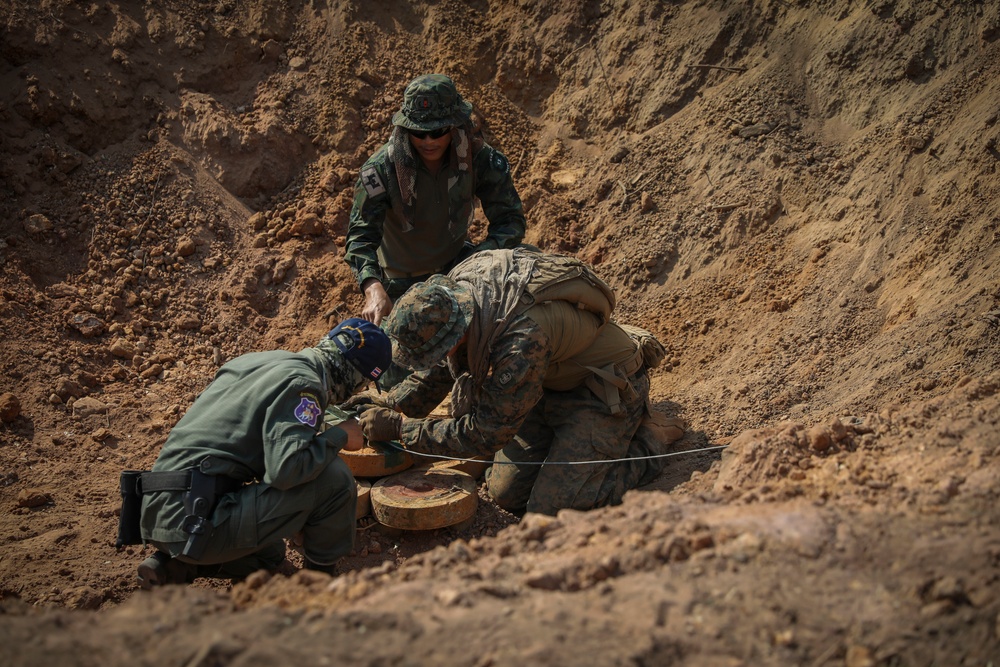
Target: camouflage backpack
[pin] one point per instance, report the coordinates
(652, 349)
(565, 278)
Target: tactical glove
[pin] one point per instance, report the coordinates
(381, 424)
(358, 401)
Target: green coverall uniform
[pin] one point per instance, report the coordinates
(257, 423)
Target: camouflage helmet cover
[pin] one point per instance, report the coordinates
(430, 102)
(428, 321)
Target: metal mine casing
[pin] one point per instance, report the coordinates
(424, 499)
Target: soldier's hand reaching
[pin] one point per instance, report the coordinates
(381, 424)
(377, 302)
(359, 401)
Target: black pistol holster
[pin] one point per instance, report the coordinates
(199, 502)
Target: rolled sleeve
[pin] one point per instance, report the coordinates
(364, 234)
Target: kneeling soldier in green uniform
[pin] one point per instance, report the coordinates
(539, 377)
(249, 465)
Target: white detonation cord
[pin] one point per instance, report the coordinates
(557, 463)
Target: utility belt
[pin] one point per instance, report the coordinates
(201, 495)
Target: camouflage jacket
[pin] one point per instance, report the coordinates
(519, 359)
(376, 236)
(504, 367)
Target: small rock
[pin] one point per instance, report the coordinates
(88, 324)
(838, 429)
(33, 498)
(646, 203)
(449, 597)
(87, 406)
(10, 407)
(186, 247)
(37, 224)
(307, 225)
(67, 388)
(153, 371)
(859, 656)
(122, 349)
(271, 50)
(618, 155)
(546, 581)
(819, 438)
(756, 130)
(188, 322)
(257, 221)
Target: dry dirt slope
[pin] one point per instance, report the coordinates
(800, 197)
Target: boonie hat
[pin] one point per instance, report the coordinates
(428, 321)
(431, 102)
(364, 345)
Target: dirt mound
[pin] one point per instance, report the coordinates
(800, 199)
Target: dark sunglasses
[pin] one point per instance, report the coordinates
(433, 134)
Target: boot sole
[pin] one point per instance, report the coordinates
(151, 576)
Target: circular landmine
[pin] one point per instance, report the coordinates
(376, 460)
(424, 499)
(372, 459)
(475, 466)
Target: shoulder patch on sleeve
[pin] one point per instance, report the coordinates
(500, 162)
(372, 181)
(308, 411)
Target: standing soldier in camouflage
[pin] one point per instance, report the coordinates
(249, 464)
(538, 375)
(415, 198)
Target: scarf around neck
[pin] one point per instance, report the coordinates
(402, 189)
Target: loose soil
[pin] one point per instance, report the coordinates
(800, 198)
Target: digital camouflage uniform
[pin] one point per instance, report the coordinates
(259, 423)
(401, 231)
(512, 408)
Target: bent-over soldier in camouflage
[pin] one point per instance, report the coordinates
(538, 374)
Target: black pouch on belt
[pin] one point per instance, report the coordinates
(128, 520)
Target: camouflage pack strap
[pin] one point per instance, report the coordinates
(611, 383)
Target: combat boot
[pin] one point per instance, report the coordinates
(160, 569)
(327, 569)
